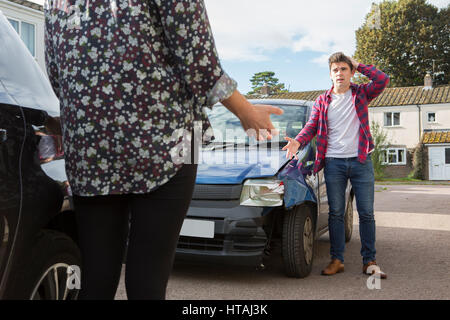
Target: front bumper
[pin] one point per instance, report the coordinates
(239, 237)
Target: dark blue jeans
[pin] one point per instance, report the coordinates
(337, 173)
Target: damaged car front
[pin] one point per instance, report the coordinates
(248, 196)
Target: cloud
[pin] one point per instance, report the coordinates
(260, 26)
(322, 59)
(249, 30)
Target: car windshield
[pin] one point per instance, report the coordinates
(227, 127)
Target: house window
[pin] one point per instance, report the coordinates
(27, 33)
(394, 156)
(447, 155)
(431, 116)
(391, 119)
(15, 24)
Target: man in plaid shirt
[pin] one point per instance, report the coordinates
(340, 119)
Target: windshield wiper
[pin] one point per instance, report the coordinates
(268, 143)
(223, 145)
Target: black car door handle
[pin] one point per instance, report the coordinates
(3, 135)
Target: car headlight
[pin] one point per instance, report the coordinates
(262, 193)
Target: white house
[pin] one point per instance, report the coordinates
(437, 144)
(406, 115)
(28, 20)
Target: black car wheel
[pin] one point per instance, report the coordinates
(298, 241)
(44, 275)
(348, 219)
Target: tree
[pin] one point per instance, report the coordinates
(405, 39)
(266, 77)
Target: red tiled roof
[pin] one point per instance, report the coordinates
(436, 136)
(390, 96)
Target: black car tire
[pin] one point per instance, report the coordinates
(52, 250)
(348, 219)
(298, 241)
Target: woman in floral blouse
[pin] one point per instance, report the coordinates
(129, 74)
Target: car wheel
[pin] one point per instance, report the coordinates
(348, 219)
(298, 241)
(44, 275)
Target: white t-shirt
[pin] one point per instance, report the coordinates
(343, 127)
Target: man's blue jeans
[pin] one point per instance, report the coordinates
(337, 172)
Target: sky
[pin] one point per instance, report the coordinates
(292, 38)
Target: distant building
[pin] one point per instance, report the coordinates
(28, 20)
(408, 115)
(437, 159)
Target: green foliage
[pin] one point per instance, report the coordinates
(403, 38)
(268, 77)
(360, 79)
(381, 142)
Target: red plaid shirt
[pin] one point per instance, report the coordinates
(362, 95)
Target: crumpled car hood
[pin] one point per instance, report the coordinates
(233, 166)
(293, 175)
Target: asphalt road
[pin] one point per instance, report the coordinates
(413, 248)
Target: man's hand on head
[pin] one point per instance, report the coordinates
(355, 63)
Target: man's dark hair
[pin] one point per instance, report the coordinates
(340, 57)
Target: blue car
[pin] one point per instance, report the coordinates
(248, 195)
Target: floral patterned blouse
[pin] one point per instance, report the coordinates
(128, 74)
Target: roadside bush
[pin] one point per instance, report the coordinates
(418, 165)
(381, 142)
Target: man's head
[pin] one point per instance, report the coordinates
(341, 71)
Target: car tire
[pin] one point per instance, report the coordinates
(52, 251)
(348, 219)
(298, 241)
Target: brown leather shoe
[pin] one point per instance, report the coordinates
(372, 268)
(334, 267)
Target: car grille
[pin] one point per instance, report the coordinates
(216, 192)
(252, 244)
(247, 244)
(202, 244)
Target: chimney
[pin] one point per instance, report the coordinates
(427, 81)
(265, 89)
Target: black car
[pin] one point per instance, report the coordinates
(39, 257)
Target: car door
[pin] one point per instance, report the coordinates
(323, 202)
(12, 134)
(23, 87)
